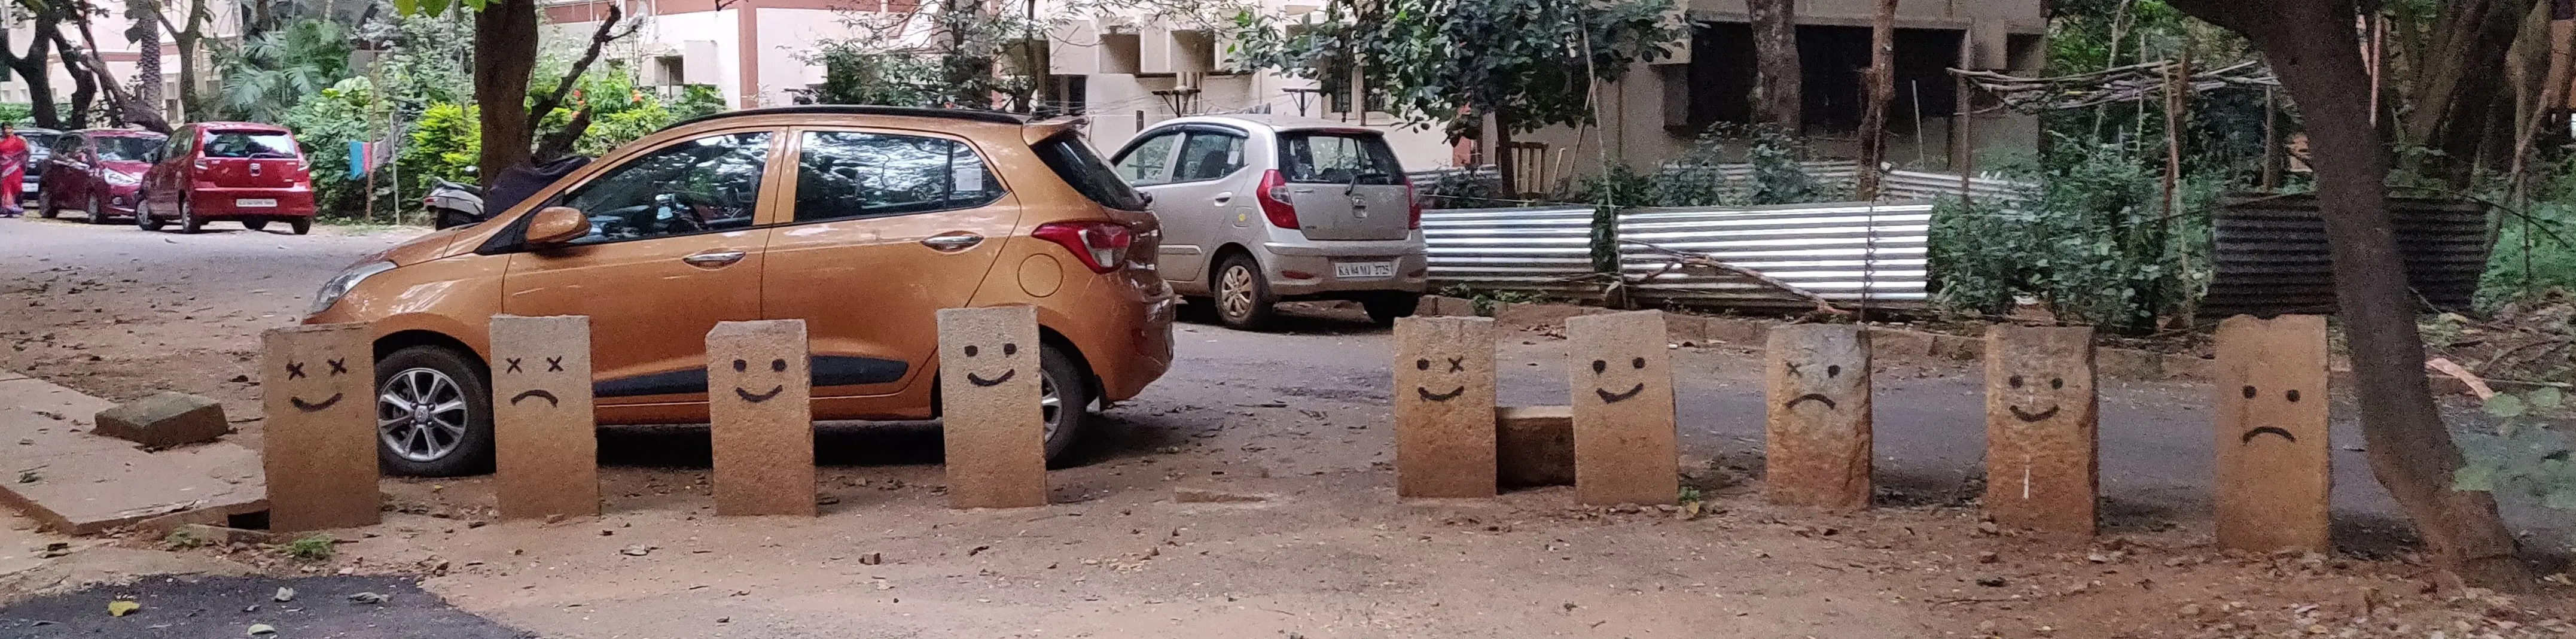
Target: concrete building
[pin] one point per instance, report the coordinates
(748, 49)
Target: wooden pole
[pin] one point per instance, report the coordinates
(2271, 140)
(1962, 145)
(1880, 90)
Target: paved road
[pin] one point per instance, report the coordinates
(207, 607)
(188, 306)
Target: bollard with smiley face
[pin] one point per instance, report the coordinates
(1817, 433)
(1625, 448)
(761, 423)
(2042, 442)
(2273, 473)
(545, 438)
(1444, 407)
(992, 422)
(319, 405)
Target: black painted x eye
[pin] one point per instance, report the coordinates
(553, 364)
(740, 366)
(1421, 364)
(1009, 349)
(1639, 363)
(1598, 366)
(778, 365)
(295, 370)
(339, 366)
(514, 365)
(1833, 370)
(1457, 364)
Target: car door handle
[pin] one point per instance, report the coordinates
(1225, 197)
(952, 241)
(714, 260)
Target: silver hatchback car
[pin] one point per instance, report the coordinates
(1260, 209)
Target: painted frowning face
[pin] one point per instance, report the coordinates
(2028, 391)
(775, 366)
(1603, 370)
(552, 365)
(1445, 365)
(1814, 379)
(2251, 393)
(295, 371)
(1006, 358)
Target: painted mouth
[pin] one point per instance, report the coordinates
(748, 397)
(1608, 397)
(539, 394)
(2268, 430)
(997, 381)
(1812, 397)
(1442, 397)
(309, 407)
(2027, 416)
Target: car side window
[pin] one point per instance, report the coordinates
(1209, 155)
(850, 174)
(707, 184)
(1149, 161)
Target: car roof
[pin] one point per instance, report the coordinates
(240, 126)
(119, 133)
(837, 111)
(1273, 122)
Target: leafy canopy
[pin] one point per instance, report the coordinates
(1531, 63)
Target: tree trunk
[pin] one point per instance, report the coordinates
(2553, 89)
(505, 53)
(191, 105)
(84, 84)
(2311, 45)
(1776, 71)
(144, 16)
(1881, 90)
(559, 143)
(2456, 84)
(32, 69)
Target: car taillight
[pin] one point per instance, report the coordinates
(1102, 246)
(1274, 200)
(1412, 206)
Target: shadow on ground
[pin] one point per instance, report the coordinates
(184, 606)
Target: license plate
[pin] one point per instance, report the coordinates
(256, 203)
(1363, 270)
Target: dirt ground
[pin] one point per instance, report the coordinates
(1306, 538)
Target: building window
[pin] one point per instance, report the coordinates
(1833, 60)
(670, 70)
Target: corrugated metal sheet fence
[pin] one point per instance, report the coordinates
(1850, 252)
(2271, 254)
(1545, 249)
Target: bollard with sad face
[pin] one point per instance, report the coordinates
(2273, 474)
(1817, 431)
(545, 438)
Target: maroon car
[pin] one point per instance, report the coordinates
(237, 171)
(97, 171)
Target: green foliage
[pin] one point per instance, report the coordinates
(1699, 177)
(181, 539)
(446, 142)
(315, 548)
(2522, 453)
(856, 72)
(1485, 301)
(2090, 240)
(325, 124)
(269, 73)
(19, 113)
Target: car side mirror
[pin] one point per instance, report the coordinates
(556, 225)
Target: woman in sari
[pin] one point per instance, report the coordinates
(13, 169)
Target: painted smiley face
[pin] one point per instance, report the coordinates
(1832, 372)
(1009, 350)
(553, 365)
(1602, 367)
(775, 366)
(2025, 415)
(2291, 395)
(295, 370)
(1456, 364)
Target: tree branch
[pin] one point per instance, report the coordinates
(1687, 259)
(608, 32)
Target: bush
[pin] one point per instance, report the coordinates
(446, 142)
(2089, 239)
(325, 124)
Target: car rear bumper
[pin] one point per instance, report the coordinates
(1141, 352)
(219, 203)
(1307, 268)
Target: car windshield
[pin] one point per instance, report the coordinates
(40, 142)
(250, 144)
(125, 149)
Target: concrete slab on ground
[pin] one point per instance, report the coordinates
(74, 482)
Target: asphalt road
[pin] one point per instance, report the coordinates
(2156, 447)
(204, 607)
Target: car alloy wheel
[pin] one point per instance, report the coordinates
(421, 414)
(1234, 292)
(1050, 407)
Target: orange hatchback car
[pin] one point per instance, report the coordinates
(861, 221)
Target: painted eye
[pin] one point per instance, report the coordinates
(1598, 366)
(1638, 362)
(338, 366)
(2057, 382)
(2293, 395)
(778, 365)
(740, 366)
(1421, 364)
(1009, 349)
(2014, 381)
(970, 350)
(2249, 392)
(1834, 370)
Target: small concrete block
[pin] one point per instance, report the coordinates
(1444, 407)
(1735, 330)
(317, 387)
(759, 389)
(1818, 409)
(1958, 347)
(165, 420)
(545, 437)
(993, 428)
(2042, 440)
(1534, 446)
(1516, 317)
(2188, 366)
(1621, 375)
(1445, 306)
(2273, 470)
(1899, 344)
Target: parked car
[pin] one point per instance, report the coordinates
(886, 216)
(98, 170)
(1260, 209)
(40, 147)
(228, 171)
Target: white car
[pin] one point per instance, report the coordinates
(1259, 209)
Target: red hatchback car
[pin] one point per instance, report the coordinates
(97, 171)
(239, 171)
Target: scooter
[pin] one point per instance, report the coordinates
(453, 204)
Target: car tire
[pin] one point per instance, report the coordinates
(433, 442)
(255, 224)
(188, 222)
(300, 226)
(1383, 308)
(1065, 390)
(143, 213)
(45, 205)
(1243, 299)
(96, 215)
